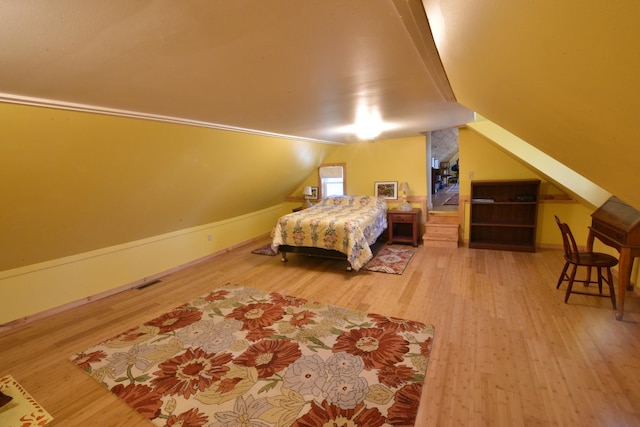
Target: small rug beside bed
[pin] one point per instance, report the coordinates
(264, 250)
(389, 259)
(239, 353)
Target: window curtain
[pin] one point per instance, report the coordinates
(330, 172)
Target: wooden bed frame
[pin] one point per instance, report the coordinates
(329, 253)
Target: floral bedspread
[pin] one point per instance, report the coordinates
(348, 224)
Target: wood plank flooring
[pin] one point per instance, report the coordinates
(507, 350)
(442, 196)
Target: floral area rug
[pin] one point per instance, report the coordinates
(391, 260)
(22, 410)
(244, 357)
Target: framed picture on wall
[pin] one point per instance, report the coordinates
(314, 193)
(386, 189)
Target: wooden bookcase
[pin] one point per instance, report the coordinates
(445, 172)
(504, 215)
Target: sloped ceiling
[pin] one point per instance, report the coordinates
(561, 75)
(286, 67)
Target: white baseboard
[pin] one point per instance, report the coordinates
(39, 290)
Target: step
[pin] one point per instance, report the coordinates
(438, 234)
(441, 235)
(446, 228)
(442, 217)
(439, 244)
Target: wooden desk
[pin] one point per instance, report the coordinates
(625, 264)
(404, 226)
(617, 225)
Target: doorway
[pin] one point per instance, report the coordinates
(443, 159)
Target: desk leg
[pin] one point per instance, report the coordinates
(624, 279)
(590, 240)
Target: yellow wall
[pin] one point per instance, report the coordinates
(573, 183)
(569, 87)
(49, 285)
(398, 160)
(485, 160)
(405, 160)
(74, 182)
(94, 203)
(91, 203)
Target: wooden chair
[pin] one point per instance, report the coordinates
(575, 259)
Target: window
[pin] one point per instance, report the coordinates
(332, 179)
(332, 187)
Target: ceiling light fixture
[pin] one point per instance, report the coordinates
(368, 122)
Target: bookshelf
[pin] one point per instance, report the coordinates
(504, 215)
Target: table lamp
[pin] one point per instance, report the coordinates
(404, 206)
(307, 192)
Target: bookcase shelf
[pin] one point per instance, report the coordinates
(504, 215)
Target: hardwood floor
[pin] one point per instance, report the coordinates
(507, 350)
(442, 196)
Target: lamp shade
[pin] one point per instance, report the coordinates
(404, 187)
(307, 191)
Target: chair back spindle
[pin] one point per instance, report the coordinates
(571, 252)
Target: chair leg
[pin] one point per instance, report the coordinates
(600, 280)
(570, 285)
(563, 275)
(612, 292)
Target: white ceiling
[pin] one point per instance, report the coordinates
(287, 67)
(559, 75)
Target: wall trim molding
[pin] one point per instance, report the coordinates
(59, 309)
(85, 108)
(32, 289)
(71, 259)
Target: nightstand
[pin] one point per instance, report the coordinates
(404, 226)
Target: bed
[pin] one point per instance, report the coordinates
(338, 227)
